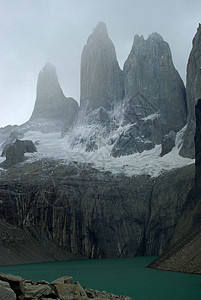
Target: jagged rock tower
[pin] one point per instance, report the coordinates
(51, 104)
(155, 101)
(101, 77)
(149, 73)
(193, 93)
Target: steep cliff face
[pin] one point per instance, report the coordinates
(168, 197)
(155, 101)
(51, 105)
(92, 213)
(149, 71)
(184, 254)
(193, 93)
(101, 77)
(18, 246)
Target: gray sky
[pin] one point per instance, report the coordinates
(33, 32)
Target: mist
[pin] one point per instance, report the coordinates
(35, 32)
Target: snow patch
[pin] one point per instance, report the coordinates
(152, 116)
(148, 162)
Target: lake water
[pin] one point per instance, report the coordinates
(122, 276)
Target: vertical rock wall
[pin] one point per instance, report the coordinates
(51, 104)
(193, 93)
(101, 77)
(149, 71)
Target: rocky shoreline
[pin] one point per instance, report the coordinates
(17, 288)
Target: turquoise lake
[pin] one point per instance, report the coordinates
(122, 276)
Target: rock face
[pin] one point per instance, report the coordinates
(168, 201)
(18, 246)
(184, 255)
(149, 93)
(6, 292)
(51, 104)
(168, 143)
(197, 147)
(12, 286)
(149, 71)
(92, 213)
(193, 93)
(15, 153)
(154, 92)
(101, 77)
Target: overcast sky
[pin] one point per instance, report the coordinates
(33, 32)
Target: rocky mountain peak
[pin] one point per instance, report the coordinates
(101, 77)
(48, 84)
(100, 29)
(149, 70)
(51, 104)
(155, 36)
(155, 101)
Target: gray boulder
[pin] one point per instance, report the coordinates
(15, 152)
(16, 283)
(6, 292)
(10, 140)
(193, 93)
(101, 77)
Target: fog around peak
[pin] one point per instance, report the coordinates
(33, 33)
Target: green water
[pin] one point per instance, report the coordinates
(126, 276)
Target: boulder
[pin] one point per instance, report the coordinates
(10, 140)
(15, 153)
(16, 283)
(67, 291)
(6, 293)
(60, 289)
(36, 291)
(64, 279)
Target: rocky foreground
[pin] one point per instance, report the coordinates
(15, 287)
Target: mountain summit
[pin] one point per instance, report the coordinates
(51, 104)
(101, 77)
(149, 70)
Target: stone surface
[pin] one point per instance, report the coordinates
(193, 93)
(81, 290)
(131, 141)
(10, 140)
(60, 290)
(101, 77)
(64, 279)
(169, 195)
(51, 104)
(15, 152)
(36, 291)
(93, 213)
(6, 293)
(18, 246)
(168, 143)
(16, 283)
(67, 291)
(155, 99)
(184, 254)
